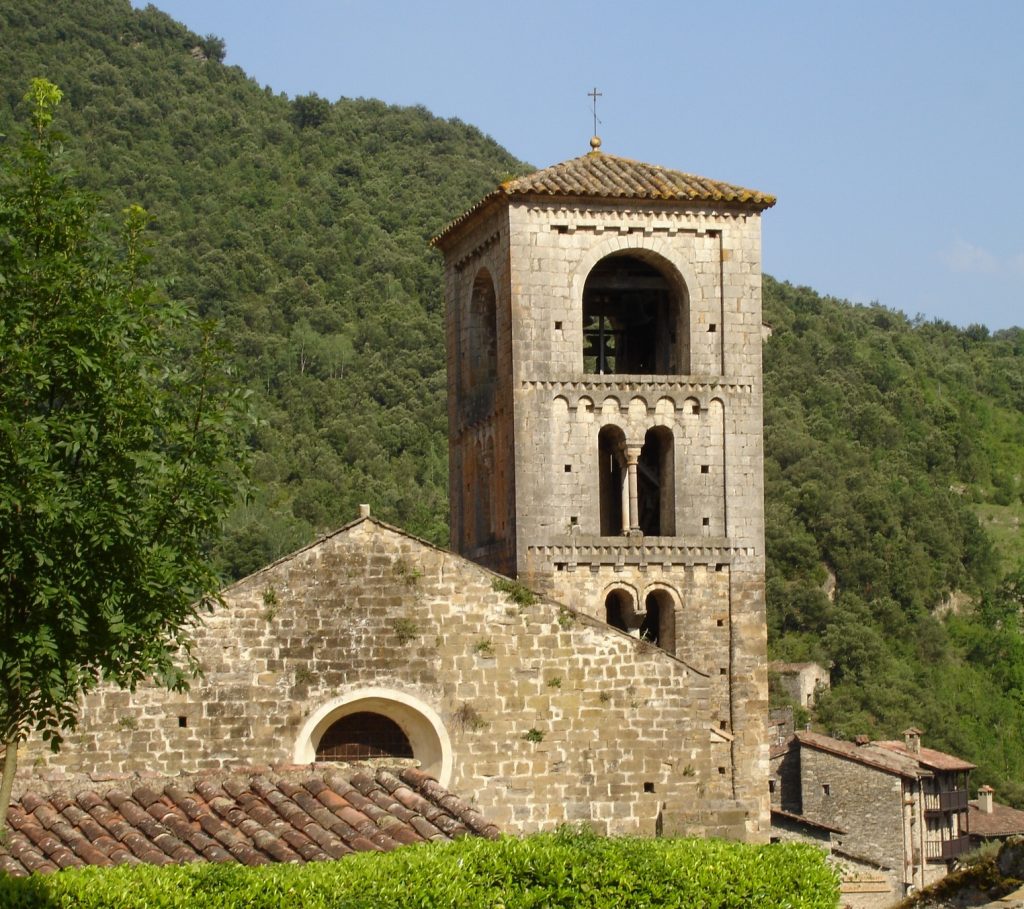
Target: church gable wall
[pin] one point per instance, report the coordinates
(550, 716)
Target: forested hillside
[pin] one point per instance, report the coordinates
(303, 226)
(894, 448)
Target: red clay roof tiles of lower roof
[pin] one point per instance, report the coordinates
(1001, 821)
(928, 757)
(253, 821)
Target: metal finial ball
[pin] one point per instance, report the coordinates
(595, 142)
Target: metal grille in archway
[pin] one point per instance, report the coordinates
(363, 735)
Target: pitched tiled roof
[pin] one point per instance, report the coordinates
(603, 176)
(1002, 821)
(870, 756)
(253, 820)
(929, 757)
(779, 815)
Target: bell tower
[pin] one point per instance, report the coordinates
(604, 403)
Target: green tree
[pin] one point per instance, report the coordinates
(116, 464)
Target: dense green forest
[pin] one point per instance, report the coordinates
(894, 446)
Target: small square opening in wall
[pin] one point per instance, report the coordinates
(705, 468)
(712, 327)
(182, 722)
(695, 408)
(568, 468)
(706, 522)
(723, 724)
(721, 770)
(720, 566)
(558, 326)
(771, 785)
(648, 787)
(826, 789)
(722, 670)
(720, 623)
(574, 520)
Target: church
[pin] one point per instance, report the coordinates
(592, 648)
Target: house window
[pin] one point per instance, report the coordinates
(826, 789)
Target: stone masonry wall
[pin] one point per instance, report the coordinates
(551, 716)
(480, 440)
(713, 411)
(864, 801)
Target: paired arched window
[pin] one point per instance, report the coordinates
(634, 320)
(612, 481)
(656, 624)
(659, 624)
(636, 491)
(656, 485)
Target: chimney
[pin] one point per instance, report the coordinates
(985, 799)
(912, 738)
(364, 511)
(863, 740)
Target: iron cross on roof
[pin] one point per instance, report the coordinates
(595, 143)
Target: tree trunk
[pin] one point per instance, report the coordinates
(7, 783)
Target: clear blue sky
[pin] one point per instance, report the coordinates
(891, 132)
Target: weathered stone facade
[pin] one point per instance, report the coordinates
(800, 682)
(535, 713)
(892, 806)
(604, 345)
(545, 270)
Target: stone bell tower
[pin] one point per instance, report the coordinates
(604, 404)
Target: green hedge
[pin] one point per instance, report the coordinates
(561, 869)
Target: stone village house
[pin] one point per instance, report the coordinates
(895, 814)
(604, 387)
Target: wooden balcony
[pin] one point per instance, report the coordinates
(952, 800)
(945, 850)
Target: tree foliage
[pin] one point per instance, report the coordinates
(119, 448)
(885, 440)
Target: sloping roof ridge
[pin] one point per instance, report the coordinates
(1002, 821)
(619, 178)
(880, 759)
(602, 158)
(556, 604)
(330, 535)
(802, 819)
(930, 757)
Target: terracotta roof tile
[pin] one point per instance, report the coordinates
(870, 756)
(929, 757)
(604, 176)
(253, 821)
(1002, 821)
